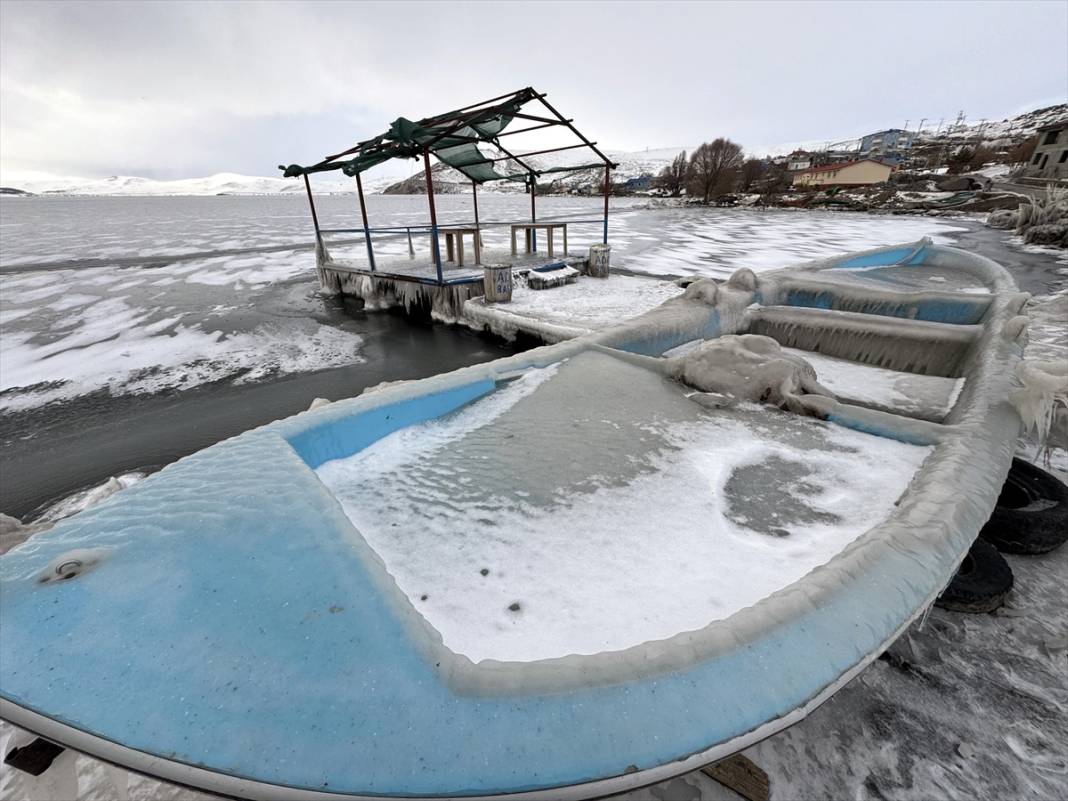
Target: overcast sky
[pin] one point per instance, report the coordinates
(172, 90)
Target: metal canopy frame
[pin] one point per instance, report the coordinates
(387, 146)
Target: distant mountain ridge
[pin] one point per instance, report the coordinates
(223, 183)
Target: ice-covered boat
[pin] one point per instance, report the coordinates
(559, 574)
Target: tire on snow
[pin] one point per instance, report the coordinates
(1031, 516)
(981, 583)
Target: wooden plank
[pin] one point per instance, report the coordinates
(742, 775)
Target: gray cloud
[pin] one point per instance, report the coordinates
(180, 89)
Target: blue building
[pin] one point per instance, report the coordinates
(892, 145)
(641, 183)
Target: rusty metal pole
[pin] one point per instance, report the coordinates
(478, 231)
(435, 246)
(366, 228)
(311, 202)
(533, 215)
(607, 192)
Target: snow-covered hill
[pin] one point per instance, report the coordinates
(223, 183)
(1002, 132)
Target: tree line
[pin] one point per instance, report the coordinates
(714, 169)
(719, 168)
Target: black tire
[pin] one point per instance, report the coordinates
(982, 581)
(1032, 512)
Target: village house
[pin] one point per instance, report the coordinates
(640, 183)
(845, 173)
(891, 145)
(1051, 154)
(798, 160)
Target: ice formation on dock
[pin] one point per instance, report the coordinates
(443, 303)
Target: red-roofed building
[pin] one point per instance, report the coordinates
(845, 173)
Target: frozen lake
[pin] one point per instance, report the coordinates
(143, 295)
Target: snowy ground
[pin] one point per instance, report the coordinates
(552, 315)
(591, 303)
(69, 332)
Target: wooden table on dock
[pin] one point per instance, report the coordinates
(454, 244)
(530, 228)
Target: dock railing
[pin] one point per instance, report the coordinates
(369, 235)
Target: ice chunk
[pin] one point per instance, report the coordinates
(747, 367)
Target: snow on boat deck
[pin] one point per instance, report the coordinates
(905, 277)
(928, 396)
(517, 539)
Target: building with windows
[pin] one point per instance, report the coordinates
(844, 173)
(640, 183)
(891, 145)
(1050, 159)
(798, 160)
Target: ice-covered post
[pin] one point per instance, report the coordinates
(311, 203)
(478, 232)
(533, 215)
(607, 192)
(366, 228)
(321, 254)
(433, 214)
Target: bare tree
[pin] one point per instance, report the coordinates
(981, 155)
(1021, 154)
(959, 162)
(672, 178)
(711, 164)
(752, 171)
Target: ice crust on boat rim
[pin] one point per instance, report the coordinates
(521, 531)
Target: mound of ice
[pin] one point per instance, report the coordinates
(748, 367)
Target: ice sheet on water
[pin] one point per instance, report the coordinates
(74, 331)
(523, 533)
(715, 242)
